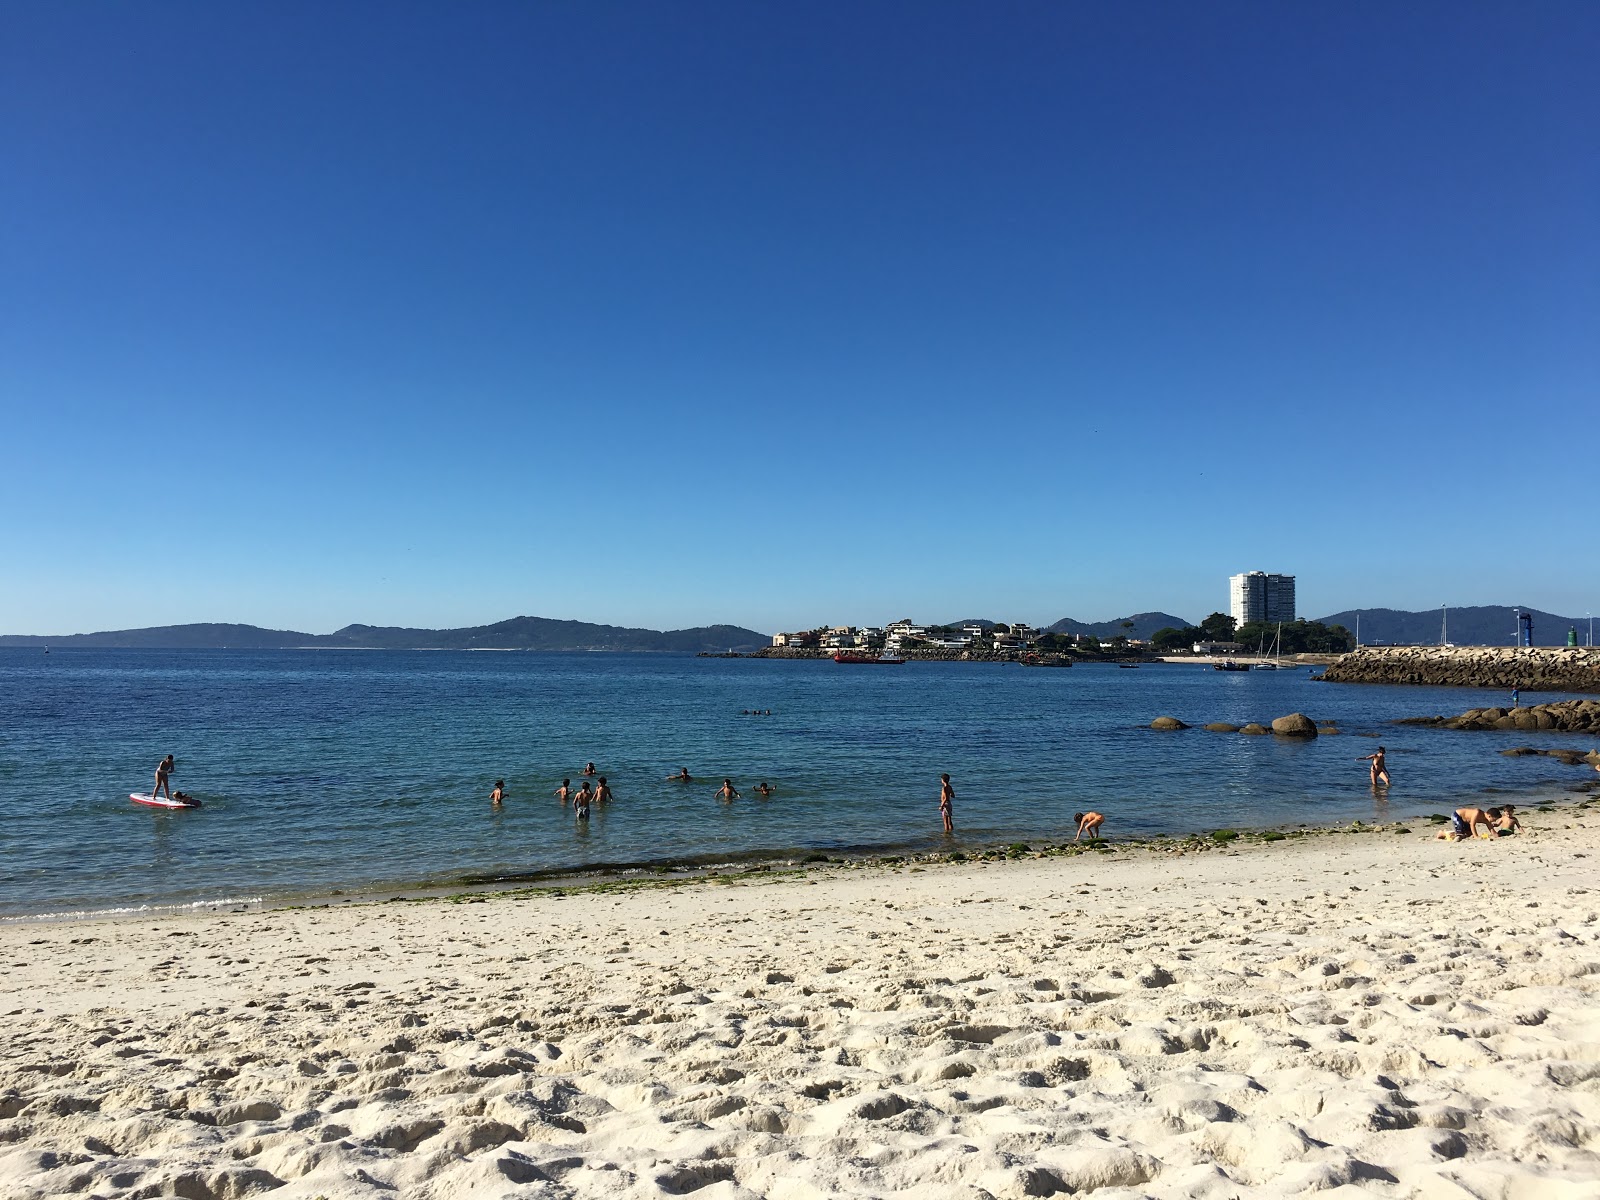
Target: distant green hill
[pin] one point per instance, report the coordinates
(519, 633)
(1144, 626)
(1483, 625)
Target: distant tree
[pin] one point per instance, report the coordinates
(1089, 644)
(913, 643)
(1299, 637)
(1119, 644)
(1218, 627)
(1169, 639)
(1002, 630)
(1055, 643)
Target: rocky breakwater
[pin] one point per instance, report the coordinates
(1534, 668)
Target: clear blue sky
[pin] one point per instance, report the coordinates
(669, 314)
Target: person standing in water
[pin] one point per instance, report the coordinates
(727, 792)
(947, 801)
(602, 794)
(1089, 823)
(499, 792)
(564, 792)
(1380, 772)
(164, 770)
(764, 789)
(682, 776)
(581, 802)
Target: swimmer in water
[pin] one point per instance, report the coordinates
(682, 776)
(1089, 823)
(581, 802)
(947, 802)
(588, 770)
(727, 791)
(763, 789)
(499, 792)
(1380, 772)
(602, 794)
(564, 792)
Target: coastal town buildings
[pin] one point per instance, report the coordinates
(1258, 596)
(898, 636)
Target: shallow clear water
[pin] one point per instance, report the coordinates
(327, 770)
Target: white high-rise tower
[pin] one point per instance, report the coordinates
(1257, 596)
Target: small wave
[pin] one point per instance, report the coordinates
(100, 914)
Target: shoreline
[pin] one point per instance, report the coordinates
(780, 863)
(1394, 1015)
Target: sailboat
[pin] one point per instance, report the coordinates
(1272, 664)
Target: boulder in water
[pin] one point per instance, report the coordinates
(1296, 725)
(1167, 723)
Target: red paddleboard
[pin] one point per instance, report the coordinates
(161, 801)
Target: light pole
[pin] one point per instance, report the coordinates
(1591, 629)
(1516, 635)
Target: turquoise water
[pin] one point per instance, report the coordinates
(325, 770)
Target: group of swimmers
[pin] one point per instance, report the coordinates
(586, 797)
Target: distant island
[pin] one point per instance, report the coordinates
(519, 633)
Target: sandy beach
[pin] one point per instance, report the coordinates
(1362, 1014)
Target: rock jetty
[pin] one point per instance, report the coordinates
(1564, 716)
(1535, 668)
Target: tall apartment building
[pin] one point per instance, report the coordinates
(1257, 596)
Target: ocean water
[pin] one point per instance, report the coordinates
(327, 771)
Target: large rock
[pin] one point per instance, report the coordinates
(1254, 728)
(1296, 725)
(1167, 723)
(1222, 727)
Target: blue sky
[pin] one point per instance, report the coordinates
(674, 314)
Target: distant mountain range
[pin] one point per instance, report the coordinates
(1484, 625)
(519, 633)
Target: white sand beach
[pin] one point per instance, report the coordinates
(1360, 1014)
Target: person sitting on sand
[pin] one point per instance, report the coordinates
(1089, 823)
(164, 770)
(588, 770)
(1465, 821)
(564, 792)
(682, 776)
(727, 791)
(947, 803)
(763, 789)
(499, 792)
(1380, 772)
(602, 794)
(581, 802)
(1507, 824)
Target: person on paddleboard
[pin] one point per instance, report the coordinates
(164, 770)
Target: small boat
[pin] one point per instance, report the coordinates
(1033, 660)
(1128, 666)
(1229, 664)
(881, 660)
